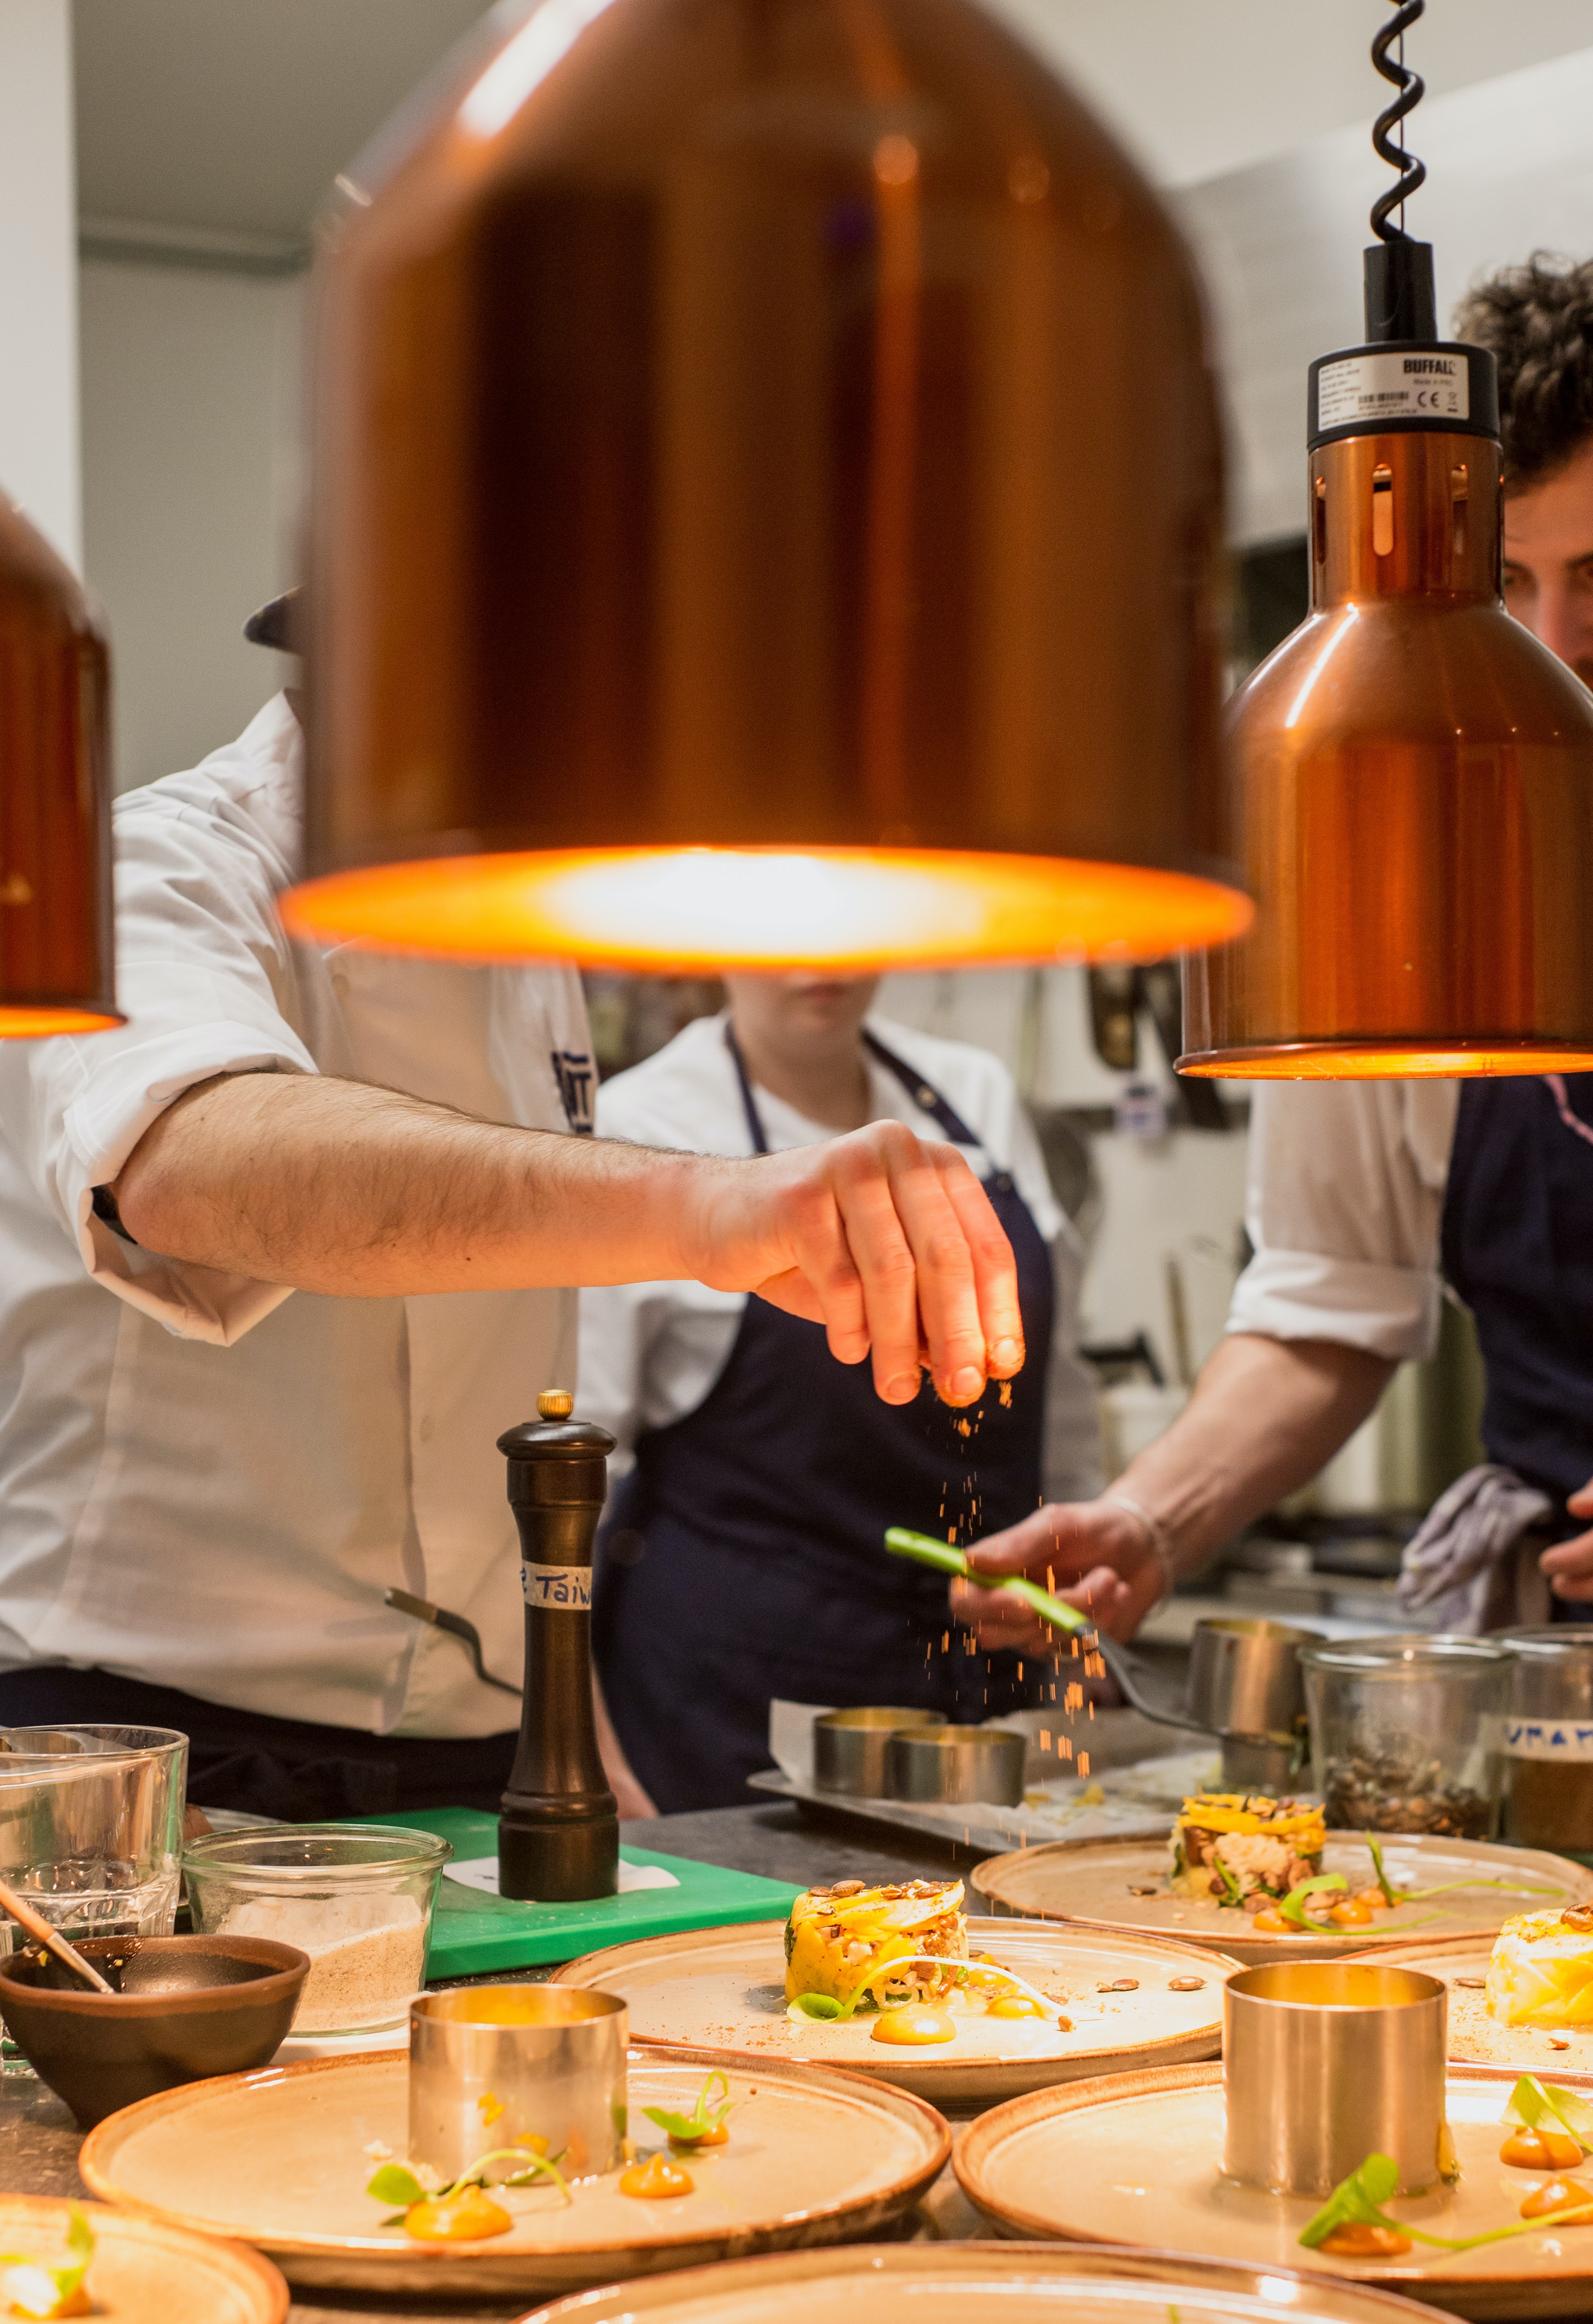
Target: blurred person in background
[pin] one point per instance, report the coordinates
(742, 1558)
(1367, 1199)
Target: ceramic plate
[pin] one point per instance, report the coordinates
(1122, 1883)
(1475, 2039)
(280, 2160)
(724, 1989)
(983, 2284)
(1134, 2160)
(144, 2272)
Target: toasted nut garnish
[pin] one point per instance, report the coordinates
(1185, 1984)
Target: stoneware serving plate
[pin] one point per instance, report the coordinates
(1136, 2161)
(1131, 2001)
(144, 2272)
(280, 2160)
(1474, 2038)
(1122, 1883)
(982, 2283)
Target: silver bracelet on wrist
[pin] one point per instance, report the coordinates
(1157, 1536)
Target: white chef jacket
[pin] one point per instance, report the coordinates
(1343, 1204)
(649, 1352)
(207, 1482)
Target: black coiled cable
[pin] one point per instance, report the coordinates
(1410, 87)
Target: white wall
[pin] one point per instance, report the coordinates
(190, 493)
(38, 270)
(1197, 88)
(1178, 1198)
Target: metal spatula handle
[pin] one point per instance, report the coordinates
(1125, 1668)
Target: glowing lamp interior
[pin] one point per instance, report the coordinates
(1386, 1061)
(700, 908)
(41, 1024)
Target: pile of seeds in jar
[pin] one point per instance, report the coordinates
(1384, 1792)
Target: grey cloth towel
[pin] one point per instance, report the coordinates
(1471, 1560)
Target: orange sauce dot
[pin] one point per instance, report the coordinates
(912, 2027)
(655, 2179)
(1541, 2150)
(465, 2218)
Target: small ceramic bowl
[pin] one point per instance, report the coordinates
(185, 2007)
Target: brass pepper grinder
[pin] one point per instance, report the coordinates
(559, 1835)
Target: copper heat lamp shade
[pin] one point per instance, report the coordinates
(771, 425)
(1415, 777)
(56, 971)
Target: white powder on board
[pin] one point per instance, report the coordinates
(367, 1954)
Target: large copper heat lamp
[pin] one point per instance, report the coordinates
(1415, 770)
(765, 508)
(55, 870)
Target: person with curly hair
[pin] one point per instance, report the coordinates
(1368, 1200)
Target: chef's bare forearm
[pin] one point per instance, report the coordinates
(887, 1239)
(336, 1186)
(1265, 1416)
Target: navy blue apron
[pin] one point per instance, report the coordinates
(1518, 1249)
(743, 1557)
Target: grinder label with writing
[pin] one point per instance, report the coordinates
(567, 1588)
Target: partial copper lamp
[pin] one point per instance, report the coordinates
(56, 960)
(767, 508)
(1414, 772)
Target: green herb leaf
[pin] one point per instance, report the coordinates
(824, 2008)
(393, 2184)
(1546, 2106)
(1227, 1880)
(1391, 1896)
(1292, 1909)
(528, 2165)
(691, 2129)
(1357, 2201)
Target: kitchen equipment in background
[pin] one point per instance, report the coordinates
(540, 2065)
(1405, 1732)
(1414, 768)
(91, 1825)
(957, 1764)
(183, 2008)
(357, 1898)
(559, 1833)
(1325, 2062)
(57, 941)
(1245, 1684)
(757, 713)
(850, 1747)
(1549, 1739)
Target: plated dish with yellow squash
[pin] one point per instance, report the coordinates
(895, 1981)
(1260, 1879)
(1523, 1998)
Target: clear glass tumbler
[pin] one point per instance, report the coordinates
(357, 1898)
(1549, 1739)
(91, 1825)
(1406, 1733)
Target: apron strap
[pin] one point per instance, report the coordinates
(755, 1127)
(923, 1093)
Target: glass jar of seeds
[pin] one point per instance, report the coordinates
(1549, 1739)
(1406, 1733)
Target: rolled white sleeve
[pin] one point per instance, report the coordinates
(206, 977)
(1344, 1195)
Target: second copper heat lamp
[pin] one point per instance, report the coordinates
(1413, 770)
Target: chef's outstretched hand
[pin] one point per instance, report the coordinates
(1568, 1565)
(1097, 1555)
(888, 1241)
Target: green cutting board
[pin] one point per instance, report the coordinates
(471, 1931)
